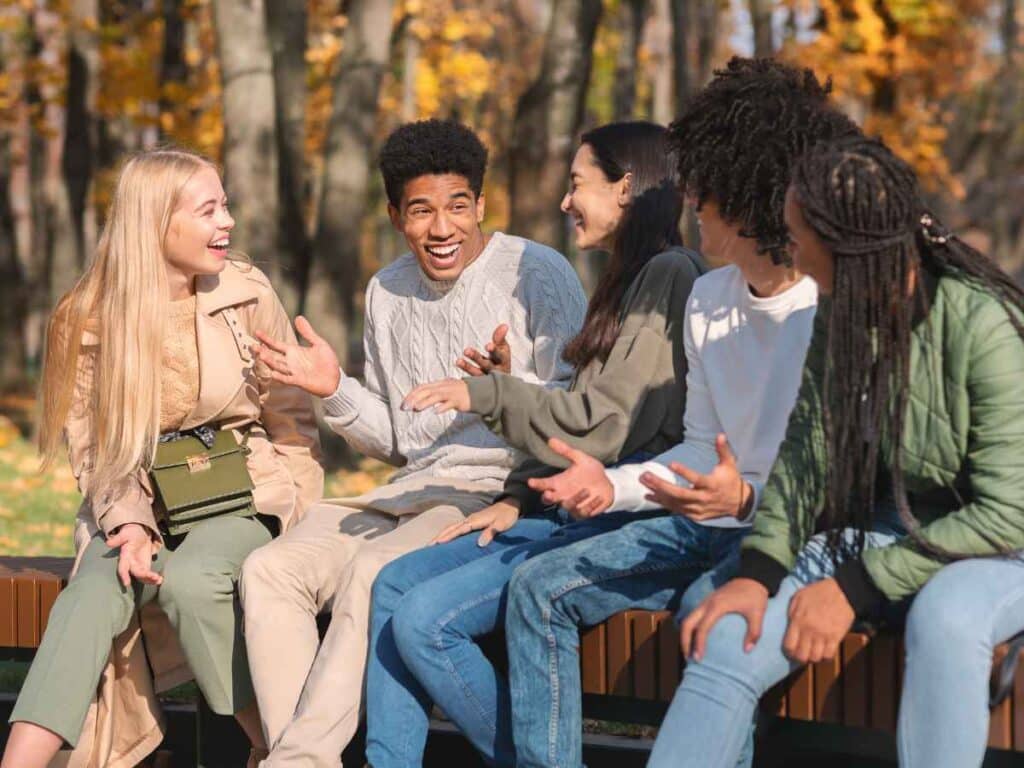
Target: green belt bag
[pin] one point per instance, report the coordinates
(198, 475)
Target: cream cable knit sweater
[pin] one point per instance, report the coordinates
(416, 329)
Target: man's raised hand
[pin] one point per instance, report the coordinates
(498, 355)
(721, 493)
(314, 368)
(583, 489)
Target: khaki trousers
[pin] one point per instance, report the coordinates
(310, 693)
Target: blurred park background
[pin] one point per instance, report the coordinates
(293, 97)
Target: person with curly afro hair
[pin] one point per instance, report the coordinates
(442, 299)
(746, 330)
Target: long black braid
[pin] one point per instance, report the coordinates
(865, 205)
(738, 139)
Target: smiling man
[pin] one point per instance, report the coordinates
(423, 311)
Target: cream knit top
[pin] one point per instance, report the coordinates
(179, 382)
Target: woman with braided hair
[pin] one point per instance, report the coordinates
(919, 343)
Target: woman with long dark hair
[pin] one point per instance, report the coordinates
(906, 447)
(626, 399)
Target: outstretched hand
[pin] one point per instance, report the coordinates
(583, 489)
(498, 355)
(314, 368)
(721, 493)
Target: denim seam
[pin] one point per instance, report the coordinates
(436, 633)
(557, 594)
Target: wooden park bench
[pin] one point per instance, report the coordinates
(631, 666)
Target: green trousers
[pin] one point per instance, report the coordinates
(198, 594)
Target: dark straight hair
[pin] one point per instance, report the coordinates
(648, 226)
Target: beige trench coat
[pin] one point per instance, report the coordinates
(124, 723)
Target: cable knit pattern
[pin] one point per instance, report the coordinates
(416, 329)
(179, 382)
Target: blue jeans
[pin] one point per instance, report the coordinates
(427, 609)
(646, 564)
(954, 623)
(708, 724)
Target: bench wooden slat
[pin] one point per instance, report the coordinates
(828, 691)
(8, 612)
(883, 683)
(1000, 724)
(620, 679)
(800, 698)
(856, 679)
(645, 655)
(1018, 707)
(593, 651)
(669, 658)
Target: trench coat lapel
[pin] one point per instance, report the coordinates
(225, 354)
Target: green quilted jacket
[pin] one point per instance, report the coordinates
(963, 452)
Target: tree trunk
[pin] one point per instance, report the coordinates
(547, 120)
(250, 143)
(13, 289)
(286, 25)
(631, 23)
(335, 274)
(80, 140)
(173, 68)
(682, 74)
(761, 21)
(708, 17)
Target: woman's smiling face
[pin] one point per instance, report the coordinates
(200, 228)
(595, 203)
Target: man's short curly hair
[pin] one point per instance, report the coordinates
(430, 147)
(741, 135)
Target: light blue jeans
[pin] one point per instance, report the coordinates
(647, 565)
(428, 609)
(954, 623)
(708, 723)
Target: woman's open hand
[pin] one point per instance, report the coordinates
(135, 558)
(492, 520)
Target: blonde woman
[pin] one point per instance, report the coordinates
(157, 338)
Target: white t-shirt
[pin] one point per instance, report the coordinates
(745, 357)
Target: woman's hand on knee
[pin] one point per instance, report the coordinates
(746, 597)
(819, 618)
(492, 520)
(135, 558)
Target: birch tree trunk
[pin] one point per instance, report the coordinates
(250, 143)
(547, 121)
(286, 25)
(335, 274)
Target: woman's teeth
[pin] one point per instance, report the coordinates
(220, 245)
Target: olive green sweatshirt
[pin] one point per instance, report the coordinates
(633, 401)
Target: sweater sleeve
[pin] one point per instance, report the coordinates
(362, 413)
(794, 493)
(701, 426)
(992, 522)
(598, 417)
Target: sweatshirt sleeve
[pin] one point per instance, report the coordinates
(794, 493)
(701, 427)
(598, 417)
(361, 414)
(992, 523)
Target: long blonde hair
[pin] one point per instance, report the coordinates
(121, 298)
